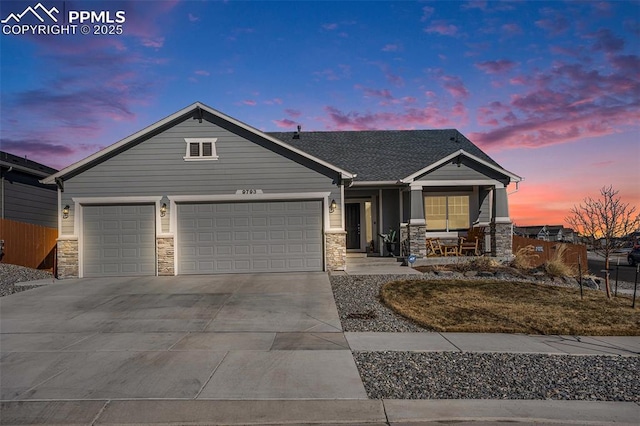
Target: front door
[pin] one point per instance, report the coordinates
(352, 225)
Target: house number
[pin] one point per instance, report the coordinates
(249, 191)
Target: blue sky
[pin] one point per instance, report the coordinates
(551, 90)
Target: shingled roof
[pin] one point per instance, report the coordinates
(382, 155)
(23, 164)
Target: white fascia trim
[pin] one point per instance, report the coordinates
(377, 183)
(424, 184)
(116, 200)
(501, 219)
(249, 197)
(51, 179)
(512, 176)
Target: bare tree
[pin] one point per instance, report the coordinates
(602, 221)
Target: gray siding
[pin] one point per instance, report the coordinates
(29, 202)
(485, 206)
(467, 171)
(156, 167)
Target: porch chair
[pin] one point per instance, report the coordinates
(471, 243)
(434, 248)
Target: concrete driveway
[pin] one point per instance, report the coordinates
(258, 336)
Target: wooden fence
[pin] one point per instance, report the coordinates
(28, 245)
(545, 251)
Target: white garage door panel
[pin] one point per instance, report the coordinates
(250, 237)
(119, 240)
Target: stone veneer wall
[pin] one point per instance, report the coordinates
(417, 242)
(67, 259)
(501, 239)
(336, 249)
(166, 265)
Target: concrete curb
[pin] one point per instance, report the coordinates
(235, 412)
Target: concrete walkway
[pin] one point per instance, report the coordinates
(241, 349)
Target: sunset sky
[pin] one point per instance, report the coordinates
(551, 90)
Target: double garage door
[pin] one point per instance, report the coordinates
(276, 236)
(211, 238)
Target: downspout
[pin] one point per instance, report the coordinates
(2, 190)
(517, 189)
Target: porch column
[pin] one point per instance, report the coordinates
(417, 226)
(501, 226)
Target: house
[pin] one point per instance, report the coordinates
(202, 193)
(22, 197)
(547, 233)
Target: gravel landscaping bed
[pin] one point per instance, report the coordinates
(11, 274)
(358, 301)
(467, 375)
(455, 375)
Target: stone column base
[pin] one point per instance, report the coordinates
(67, 251)
(416, 238)
(501, 239)
(336, 250)
(166, 265)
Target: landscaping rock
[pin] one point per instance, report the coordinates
(12, 274)
(467, 375)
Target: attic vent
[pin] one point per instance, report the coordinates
(296, 135)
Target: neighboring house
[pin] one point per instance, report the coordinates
(202, 193)
(22, 197)
(547, 233)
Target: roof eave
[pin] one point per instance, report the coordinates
(512, 176)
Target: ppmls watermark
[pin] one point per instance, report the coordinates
(40, 20)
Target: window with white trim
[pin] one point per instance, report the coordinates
(446, 212)
(200, 149)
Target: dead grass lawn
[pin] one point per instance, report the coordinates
(501, 307)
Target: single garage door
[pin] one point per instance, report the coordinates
(250, 237)
(119, 240)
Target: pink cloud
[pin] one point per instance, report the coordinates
(554, 21)
(518, 80)
(455, 86)
(496, 67)
(605, 41)
(193, 18)
(202, 72)
(442, 27)
(565, 103)
(410, 118)
(285, 123)
(274, 101)
(293, 113)
(375, 93)
(330, 26)
(249, 102)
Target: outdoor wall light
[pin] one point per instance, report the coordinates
(65, 212)
(163, 210)
(333, 206)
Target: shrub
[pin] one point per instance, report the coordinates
(557, 267)
(524, 258)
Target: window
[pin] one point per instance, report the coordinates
(446, 212)
(200, 149)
